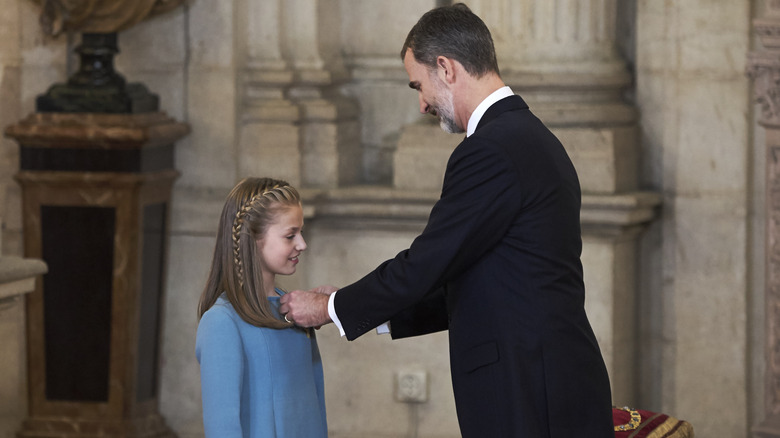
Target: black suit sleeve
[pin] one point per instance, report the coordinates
(427, 316)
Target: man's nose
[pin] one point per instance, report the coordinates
(424, 107)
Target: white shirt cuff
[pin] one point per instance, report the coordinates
(332, 312)
(383, 329)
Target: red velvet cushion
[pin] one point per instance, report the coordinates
(650, 425)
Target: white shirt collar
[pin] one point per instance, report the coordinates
(479, 111)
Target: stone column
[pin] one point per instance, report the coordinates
(17, 275)
(17, 278)
(562, 58)
(269, 137)
(373, 33)
(329, 129)
(764, 69)
(557, 48)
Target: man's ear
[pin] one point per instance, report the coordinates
(445, 69)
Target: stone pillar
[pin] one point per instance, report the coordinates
(17, 278)
(569, 44)
(696, 260)
(17, 275)
(561, 57)
(373, 33)
(269, 137)
(329, 129)
(764, 69)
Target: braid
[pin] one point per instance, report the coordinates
(250, 208)
(238, 223)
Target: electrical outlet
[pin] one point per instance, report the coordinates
(411, 386)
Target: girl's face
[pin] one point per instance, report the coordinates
(281, 244)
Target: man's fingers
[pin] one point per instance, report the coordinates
(305, 309)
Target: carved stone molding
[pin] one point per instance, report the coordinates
(763, 68)
(771, 425)
(605, 216)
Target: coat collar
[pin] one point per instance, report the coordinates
(510, 103)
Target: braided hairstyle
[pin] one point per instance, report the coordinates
(249, 209)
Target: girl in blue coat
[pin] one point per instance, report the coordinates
(261, 376)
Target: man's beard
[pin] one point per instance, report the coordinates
(445, 109)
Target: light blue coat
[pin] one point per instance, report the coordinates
(258, 382)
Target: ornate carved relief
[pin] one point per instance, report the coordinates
(773, 281)
(763, 67)
(764, 70)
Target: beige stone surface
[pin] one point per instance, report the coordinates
(330, 143)
(188, 267)
(709, 308)
(207, 157)
(386, 103)
(609, 299)
(712, 152)
(421, 156)
(693, 97)
(227, 69)
(375, 17)
(605, 157)
(13, 389)
(211, 35)
(270, 149)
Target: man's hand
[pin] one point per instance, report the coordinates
(327, 290)
(307, 309)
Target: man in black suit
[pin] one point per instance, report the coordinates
(498, 264)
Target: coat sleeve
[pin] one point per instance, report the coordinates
(219, 351)
(476, 208)
(429, 315)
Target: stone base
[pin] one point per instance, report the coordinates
(152, 426)
(132, 99)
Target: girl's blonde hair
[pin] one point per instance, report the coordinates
(249, 209)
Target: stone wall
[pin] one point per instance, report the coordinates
(313, 91)
(693, 96)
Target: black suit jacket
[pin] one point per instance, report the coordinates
(498, 265)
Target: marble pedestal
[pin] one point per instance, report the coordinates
(95, 194)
